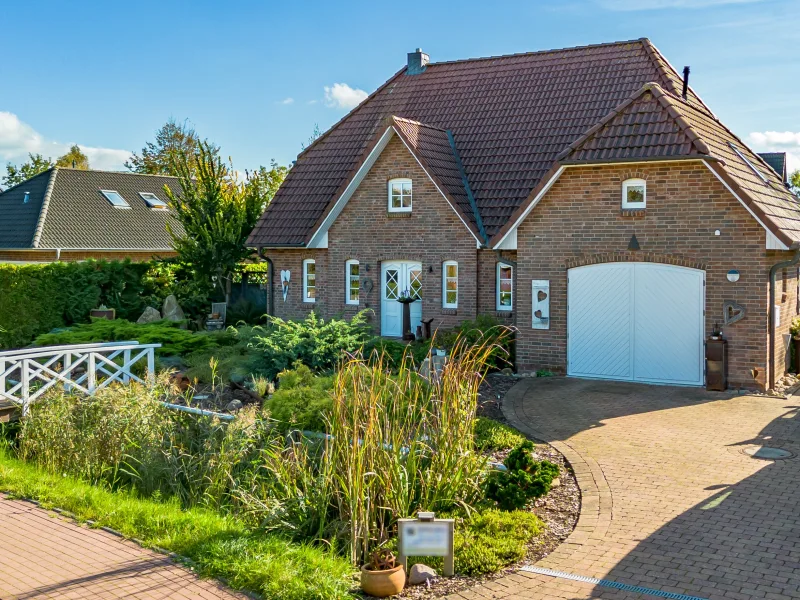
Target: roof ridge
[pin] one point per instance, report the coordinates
(37, 234)
(535, 52)
(658, 93)
(119, 172)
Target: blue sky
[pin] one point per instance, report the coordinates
(256, 77)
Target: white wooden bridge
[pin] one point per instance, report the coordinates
(28, 373)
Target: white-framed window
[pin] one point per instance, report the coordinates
(116, 199)
(153, 201)
(309, 280)
(352, 283)
(505, 287)
(634, 193)
(400, 195)
(450, 284)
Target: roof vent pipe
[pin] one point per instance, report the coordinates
(685, 82)
(417, 62)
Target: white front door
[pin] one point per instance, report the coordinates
(636, 322)
(400, 277)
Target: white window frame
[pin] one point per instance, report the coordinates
(348, 281)
(400, 209)
(306, 262)
(124, 206)
(445, 303)
(500, 307)
(153, 201)
(634, 205)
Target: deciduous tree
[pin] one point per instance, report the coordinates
(17, 174)
(174, 142)
(75, 159)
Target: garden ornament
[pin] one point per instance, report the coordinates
(732, 312)
(286, 275)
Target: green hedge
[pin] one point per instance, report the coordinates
(35, 299)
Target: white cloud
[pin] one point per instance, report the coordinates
(341, 95)
(287, 101)
(18, 139)
(778, 141)
(662, 4)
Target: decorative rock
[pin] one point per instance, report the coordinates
(234, 405)
(556, 482)
(172, 310)
(507, 371)
(420, 573)
(150, 315)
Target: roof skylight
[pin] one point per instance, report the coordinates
(116, 199)
(761, 176)
(152, 200)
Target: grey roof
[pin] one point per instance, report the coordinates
(67, 210)
(776, 160)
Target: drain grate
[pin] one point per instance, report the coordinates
(610, 584)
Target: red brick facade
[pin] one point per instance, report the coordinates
(578, 222)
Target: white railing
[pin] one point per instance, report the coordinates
(28, 373)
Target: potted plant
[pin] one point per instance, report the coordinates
(380, 577)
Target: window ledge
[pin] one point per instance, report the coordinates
(450, 311)
(504, 314)
(633, 212)
(399, 215)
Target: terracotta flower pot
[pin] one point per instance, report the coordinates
(383, 583)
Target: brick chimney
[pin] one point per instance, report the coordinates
(417, 62)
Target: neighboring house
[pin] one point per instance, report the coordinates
(776, 160)
(69, 214)
(583, 195)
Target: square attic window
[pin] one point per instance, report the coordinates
(152, 200)
(116, 199)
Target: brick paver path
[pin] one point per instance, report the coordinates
(45, 556)
(669, 499)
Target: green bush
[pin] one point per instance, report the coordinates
(175, 341)
(525, 479)
(236, 359)
(316, 342)
(483, 330)
(301, 400)
(491, 435)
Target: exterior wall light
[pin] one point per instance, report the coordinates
(733, 275)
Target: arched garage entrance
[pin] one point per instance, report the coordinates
(636, 322)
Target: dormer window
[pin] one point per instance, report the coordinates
(152, 200)
(634, 194)
(400, 195)
(116, 199)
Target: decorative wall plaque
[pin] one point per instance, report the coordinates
(732, 312)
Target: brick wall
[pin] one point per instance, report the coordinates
(579, 222)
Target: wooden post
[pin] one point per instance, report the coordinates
(126, 368)
(91, 374)
(449, 559)
(66, 369)
(151, 366)
(25, 392)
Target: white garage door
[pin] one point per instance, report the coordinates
(636, 322)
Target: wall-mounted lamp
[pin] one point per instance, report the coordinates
(733, 275)
(717, 232)
(430, 268)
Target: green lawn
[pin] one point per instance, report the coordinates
(220, 546)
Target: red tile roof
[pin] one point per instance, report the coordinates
(511, 116)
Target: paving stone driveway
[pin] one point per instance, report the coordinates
(45, 556)
(670, 501)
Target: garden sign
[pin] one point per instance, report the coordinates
(426, 536)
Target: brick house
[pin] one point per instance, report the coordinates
(72, 214)
(586, 196)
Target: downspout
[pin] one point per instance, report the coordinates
(773, 272)
(270, 278)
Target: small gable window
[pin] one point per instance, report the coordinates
(505, 287)
(116, 199)
(152, 200)
(352, 282)
(634, 194)
(400, 195)
(309, 280)
(450, 284)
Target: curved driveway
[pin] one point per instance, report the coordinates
(671, 501)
